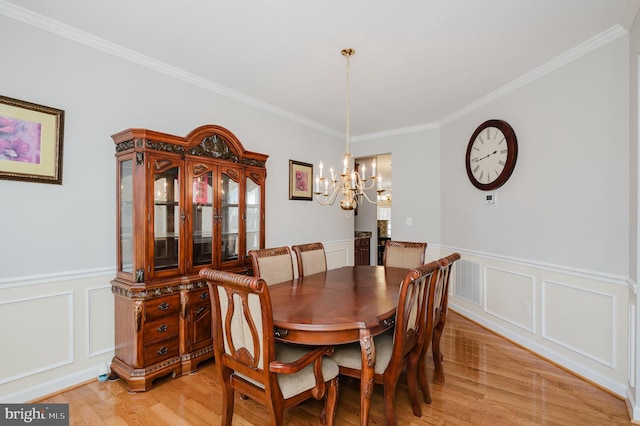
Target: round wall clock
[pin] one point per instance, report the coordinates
(491, 154)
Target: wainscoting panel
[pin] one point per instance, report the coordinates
(37, 324)
(579, 319)
(510, 296)
(100, 311)
(589, 330)
(631, 361)
(59, 329)
(339, 253)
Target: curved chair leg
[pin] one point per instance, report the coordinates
(422, 375)
(412, 384)
(227, 403)
(422, 378)
(390, 384)
(328, 413)
(437, 355)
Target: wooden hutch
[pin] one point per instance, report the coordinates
(183, 204)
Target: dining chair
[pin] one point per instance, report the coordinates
(403, 347)
(249, 360)
(273, 265)
(439, 313)
(311, 258)
(404, 254)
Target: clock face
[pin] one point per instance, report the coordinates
(491, 154)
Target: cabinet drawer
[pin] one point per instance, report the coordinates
(160, 329)
(199, 296)
(160, 351)
(156, 308)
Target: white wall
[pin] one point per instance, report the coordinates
(633, 375)
(557, 239)
(553, 252)
(416, 182)
(58, 242)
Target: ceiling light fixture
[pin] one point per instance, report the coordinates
(351, 184)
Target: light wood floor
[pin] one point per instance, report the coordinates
(489, 381)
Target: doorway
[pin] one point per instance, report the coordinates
(376, 218)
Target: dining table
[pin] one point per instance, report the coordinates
(339, 306)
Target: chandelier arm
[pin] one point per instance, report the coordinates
(368, 199)
(328, 200)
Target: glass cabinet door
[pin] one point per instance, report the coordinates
(229, 214)
(166, 218)
(253, 199)
(126, 217)
(202, 218)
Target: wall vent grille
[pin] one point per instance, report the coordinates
(468, 281)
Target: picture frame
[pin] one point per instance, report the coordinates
(300, 180)
(31, 141)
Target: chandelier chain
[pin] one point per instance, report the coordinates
(351, 184)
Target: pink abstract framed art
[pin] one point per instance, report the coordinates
(300, 180)
(31, 140)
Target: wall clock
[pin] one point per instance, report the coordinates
(491, 154)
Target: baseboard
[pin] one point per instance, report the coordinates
(55, 386)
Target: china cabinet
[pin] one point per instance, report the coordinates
(183, 204)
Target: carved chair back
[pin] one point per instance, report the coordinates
(273, 265)
(404, 254)
(311, 258)
(404, 347)
(249, 360)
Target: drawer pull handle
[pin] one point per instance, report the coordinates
(163, 350)
(204, 295)
(163, 306)
(162, 328)
(199, 310)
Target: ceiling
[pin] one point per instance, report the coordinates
(417, 62)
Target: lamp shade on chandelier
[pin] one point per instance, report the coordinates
(350, 185)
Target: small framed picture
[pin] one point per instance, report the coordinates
(30, 141)
(300, 180)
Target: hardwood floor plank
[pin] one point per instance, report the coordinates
(488, 381)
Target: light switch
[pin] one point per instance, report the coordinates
(409, 221)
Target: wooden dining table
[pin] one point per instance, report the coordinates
(343, 305)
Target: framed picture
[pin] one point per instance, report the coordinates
(300, 180)
(30, 141)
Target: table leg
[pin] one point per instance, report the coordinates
(366, 380)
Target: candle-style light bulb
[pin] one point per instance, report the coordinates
(321, 166)
(363, 175)
(344, 165)
(373, 168)
(379, 182)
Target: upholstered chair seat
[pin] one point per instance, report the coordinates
(302, 381)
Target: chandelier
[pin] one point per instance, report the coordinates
(352, 183)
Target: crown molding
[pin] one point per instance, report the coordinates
(395, 132)
(569, 56)
(55, 27)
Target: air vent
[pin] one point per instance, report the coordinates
(468, 281)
